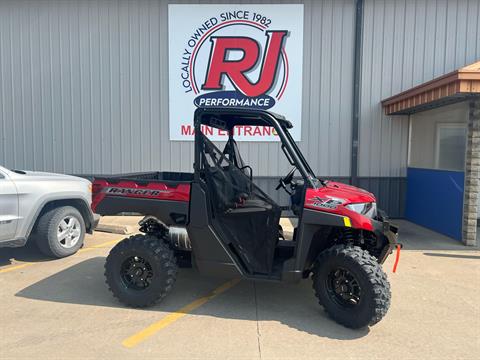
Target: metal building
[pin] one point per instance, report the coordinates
(84, 86)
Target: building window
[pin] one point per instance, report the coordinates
(450, 148)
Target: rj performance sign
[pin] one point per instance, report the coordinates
(246, 56)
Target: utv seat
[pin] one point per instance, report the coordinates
(257, 203)
(226, 177)
(251, 206)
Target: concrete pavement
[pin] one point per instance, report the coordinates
(62, 309)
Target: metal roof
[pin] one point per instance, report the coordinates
(453, 87)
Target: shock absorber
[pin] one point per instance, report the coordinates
(348, 236)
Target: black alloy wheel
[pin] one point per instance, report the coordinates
(343, 287)
(136, 273)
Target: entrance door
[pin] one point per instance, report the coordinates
(244, 216)
(8, 208)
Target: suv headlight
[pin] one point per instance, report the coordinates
(367, 209)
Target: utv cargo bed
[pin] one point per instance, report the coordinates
(165, 195)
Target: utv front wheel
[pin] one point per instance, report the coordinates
(140, 270)
(351, 286)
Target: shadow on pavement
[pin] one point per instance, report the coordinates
(291, 304)
(28, 253)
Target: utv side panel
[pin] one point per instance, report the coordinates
(311, 222)
(209, 255)
(169, 212)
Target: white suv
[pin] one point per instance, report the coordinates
(51, 209)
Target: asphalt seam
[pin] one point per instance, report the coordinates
(256, 315)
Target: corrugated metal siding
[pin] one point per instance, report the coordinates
(83, 84)
(84, 88)
(406, 43)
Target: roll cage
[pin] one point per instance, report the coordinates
(227, 118)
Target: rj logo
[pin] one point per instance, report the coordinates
(236, 70)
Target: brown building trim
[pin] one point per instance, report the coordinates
(452, 87)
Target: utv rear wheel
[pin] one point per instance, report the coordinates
(351, 286)
(140, 270)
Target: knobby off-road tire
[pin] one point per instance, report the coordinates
(140, 270)
(356, 266)
(60, 232)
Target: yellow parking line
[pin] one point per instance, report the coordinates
(16, 267)
(171, 318)
(107, 243)
(100, 245)
(23, 265)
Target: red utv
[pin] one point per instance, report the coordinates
(219, 222)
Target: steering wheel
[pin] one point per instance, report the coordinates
(283, 182)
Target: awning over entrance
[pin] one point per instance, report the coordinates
(443, 173)
(447, 89)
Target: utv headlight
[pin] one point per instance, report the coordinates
(367, 209)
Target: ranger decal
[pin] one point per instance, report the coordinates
(130, 191)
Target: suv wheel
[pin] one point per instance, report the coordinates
(351, 286)
(60, 232)
(140, 270)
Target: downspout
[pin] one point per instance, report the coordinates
(357, 72)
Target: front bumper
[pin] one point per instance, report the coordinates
(387, 236)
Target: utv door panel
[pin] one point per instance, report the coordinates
(249, 230)
(210, 256)
(245, 218)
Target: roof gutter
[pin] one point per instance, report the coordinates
(356, 91)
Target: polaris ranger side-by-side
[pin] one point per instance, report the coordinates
(219, 222)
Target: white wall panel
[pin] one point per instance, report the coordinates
(84, 84)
